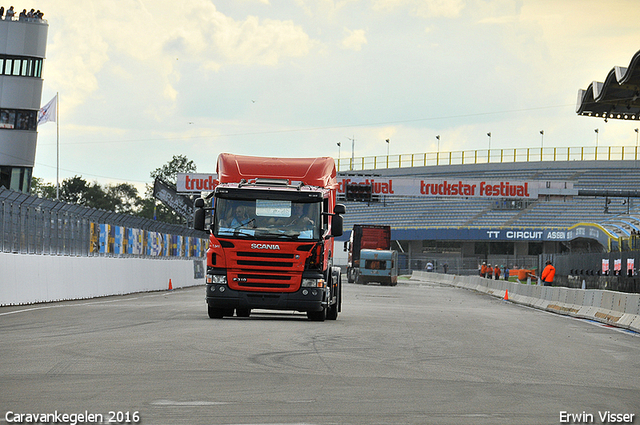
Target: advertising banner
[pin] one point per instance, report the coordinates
(403, 186)
(196, 182)
(169, 196)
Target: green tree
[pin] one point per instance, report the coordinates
(125, 198)
(120, 198)
(154, 209)
(169, 171)
(42, 189)
(74, 190)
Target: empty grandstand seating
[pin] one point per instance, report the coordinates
(555, 212)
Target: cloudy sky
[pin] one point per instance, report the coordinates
(142, 80)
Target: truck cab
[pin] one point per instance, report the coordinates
(271, 243)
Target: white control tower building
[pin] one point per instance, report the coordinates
(22, 51)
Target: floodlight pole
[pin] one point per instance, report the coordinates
(353, 143)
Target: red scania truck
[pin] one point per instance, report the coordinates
(272, 228)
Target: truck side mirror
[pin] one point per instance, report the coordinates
(339, 209)
(198, 215)
(336, 225)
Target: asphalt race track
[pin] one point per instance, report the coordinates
(418, 353)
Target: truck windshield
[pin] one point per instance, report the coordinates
(267, 218)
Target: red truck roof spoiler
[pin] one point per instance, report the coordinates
(319, 172)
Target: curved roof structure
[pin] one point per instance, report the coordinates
(617, 98)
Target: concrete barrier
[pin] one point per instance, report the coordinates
(27, 279)
(610, 307)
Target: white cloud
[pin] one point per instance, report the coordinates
(85, 41)
(263, 43)
(423, 8)
(141, 71)
(354, 39)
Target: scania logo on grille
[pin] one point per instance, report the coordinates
(239, 279)
(264, 246)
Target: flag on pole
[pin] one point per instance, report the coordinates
(48, 112)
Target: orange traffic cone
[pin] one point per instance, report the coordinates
(170, 285)
(506, 295)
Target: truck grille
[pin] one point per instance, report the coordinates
(265, 271)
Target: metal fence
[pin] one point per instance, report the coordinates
(485, 156)
(32, 225)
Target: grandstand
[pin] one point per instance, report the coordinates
(507, 231)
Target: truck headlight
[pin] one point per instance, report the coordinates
(217, 278)
(313, 283)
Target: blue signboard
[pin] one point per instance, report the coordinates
(531, 234)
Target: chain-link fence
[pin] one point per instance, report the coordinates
(32, 225)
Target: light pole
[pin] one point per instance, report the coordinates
(387, 153)
(353, 143)
(541, 145)
(636, 130)
(338, 155)
(596, 130)
(438, 153)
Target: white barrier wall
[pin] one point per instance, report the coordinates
(614, 308)
(26, 279)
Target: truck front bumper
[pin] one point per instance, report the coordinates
(305, 299)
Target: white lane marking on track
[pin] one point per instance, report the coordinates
(80, 304)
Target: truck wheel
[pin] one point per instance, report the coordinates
(215, 313)
(317, 316)
(332, 312)
(243, 312)
(350, 275)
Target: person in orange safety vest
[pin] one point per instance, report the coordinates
(548, 274)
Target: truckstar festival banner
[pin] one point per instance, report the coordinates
(403, 186)
(452, 187)
(196, 182)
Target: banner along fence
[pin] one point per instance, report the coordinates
(32, 225)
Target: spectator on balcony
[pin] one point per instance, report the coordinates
(10, 13)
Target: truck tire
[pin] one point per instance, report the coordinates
(356, 276)
(333, 310)
(215, 313)
(350, 275)
(317, 316)
(243, 312)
